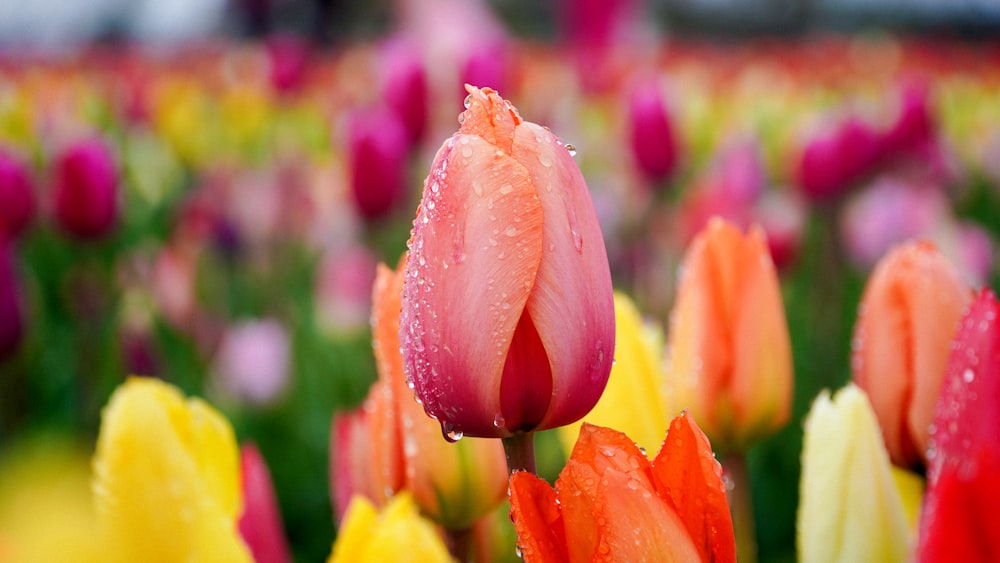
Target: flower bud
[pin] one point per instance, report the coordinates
(908, 315)
(651, 135)
(85, 190)
(728, 354)
(404, 87)
(378, 150)
(505, 253)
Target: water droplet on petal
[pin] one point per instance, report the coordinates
(498, 421)
(571, 149)
(968, 375)
(461, 118)
(477, 187)
(577, 240)
(468, 101)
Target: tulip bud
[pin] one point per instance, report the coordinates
(11, 309)
(959, 521)
(850, 508)
(17, 197)
(728, 354)
(85, 190)
(908, 315)
(834, 161)
(260, 524)
(914, 124)
(404, 87)
(651, 135)
(378, 148)
(398, 533)
(505, 253)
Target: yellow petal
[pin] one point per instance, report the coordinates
(850, 508)
(911, 490)
(633, 400)
(166, 478)
(398, 534)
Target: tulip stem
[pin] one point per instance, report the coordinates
(520, 451)
(741, 506)
(460, 544)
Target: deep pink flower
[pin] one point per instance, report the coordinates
(959, 521)
(378, 149)
(508, 319)
(651, 135)
(85, 189)
(289, 57)
(404, 86)
(260, 524)
(836, 159)
(17, 196)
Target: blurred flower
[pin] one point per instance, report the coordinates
(378, 152)
(253, 361)
(85, 189)
(260, 525)
(610, 503)
(728, 353)
(959, 521)
(398, 533)
(288, 55)
(633, 401)
(404, 86)
(11, 306)
(651, 134)
(836, 158)
(166, 478)
(914, 125)
(343, 288)
(17, 196)
(908, 315)
(506, 252)
(449, 489)
(850, 508)
(486, 64)
(782, 215)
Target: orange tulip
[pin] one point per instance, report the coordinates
(508, 317)
(909, 314)
(611, 504)
(728, 353)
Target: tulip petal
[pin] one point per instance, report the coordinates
(576, 489)
(464, 262)
(573, 270)
(691, 477)
(260, 524)
(537, 519)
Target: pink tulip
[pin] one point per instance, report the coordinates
(835, 160)
(959, 520)
(914, 125)
(378, 151)
(17, 197)
(651, 134)
(404, 87)
(487, 64)
(505, 254)
(289, 58)
(260, 524)
(85, 189)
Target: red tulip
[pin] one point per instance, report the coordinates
(17, 196)
(651, 135)
(611, 504)
(378, 151)
(908, 316)
(959, 521)
(86, 190)
(505, 254)
(260, 525)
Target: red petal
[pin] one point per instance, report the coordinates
(260, 524)
(689, 475)
(526, 388)
(537, 519)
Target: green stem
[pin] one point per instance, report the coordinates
(741, 507)
(460, 544)
(520, 451)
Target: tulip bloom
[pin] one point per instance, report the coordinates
(651, 135)
(835, 160)
(959, 520)
(633, 401)
(17, 196)
(260, 524)
(505, 253)
(166, 478)
(398, 533)
(86, 190)
(378, 148)
(611, 504)
(404, 86)
(850, 508)
(728, 353)
(909, 313)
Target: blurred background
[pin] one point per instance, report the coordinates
(199, 190)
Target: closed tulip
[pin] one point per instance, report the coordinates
(166, 478)
(379, 145)
(505, 254)
(909, 313)
(728, 353)
(611, 504)
(86, 189)
(397, 533)
(850, 508)
(17, 196)
(959, 521)
(404, 86)
(651, 131)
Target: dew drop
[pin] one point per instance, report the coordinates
(450, 433)
(545, 159)
(511, 231)
(468, 101)
(577, 240)
(968, 375)
(477, 188)
(498, 421)
(571, 149)
(466, 151)
(506, 189)
(461, 118)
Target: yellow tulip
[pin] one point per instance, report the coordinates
(397, 534)
(633, 401)
(850, 508)
(166, 478)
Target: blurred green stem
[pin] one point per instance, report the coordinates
(520, 451)
(460, 544)
(741, 506)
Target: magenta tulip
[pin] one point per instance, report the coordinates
(17, 196)
(651, 135)
(378, 148)
(404, 87)
(260, 524)
(837, 159)
(507, 320)
(85, 191)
